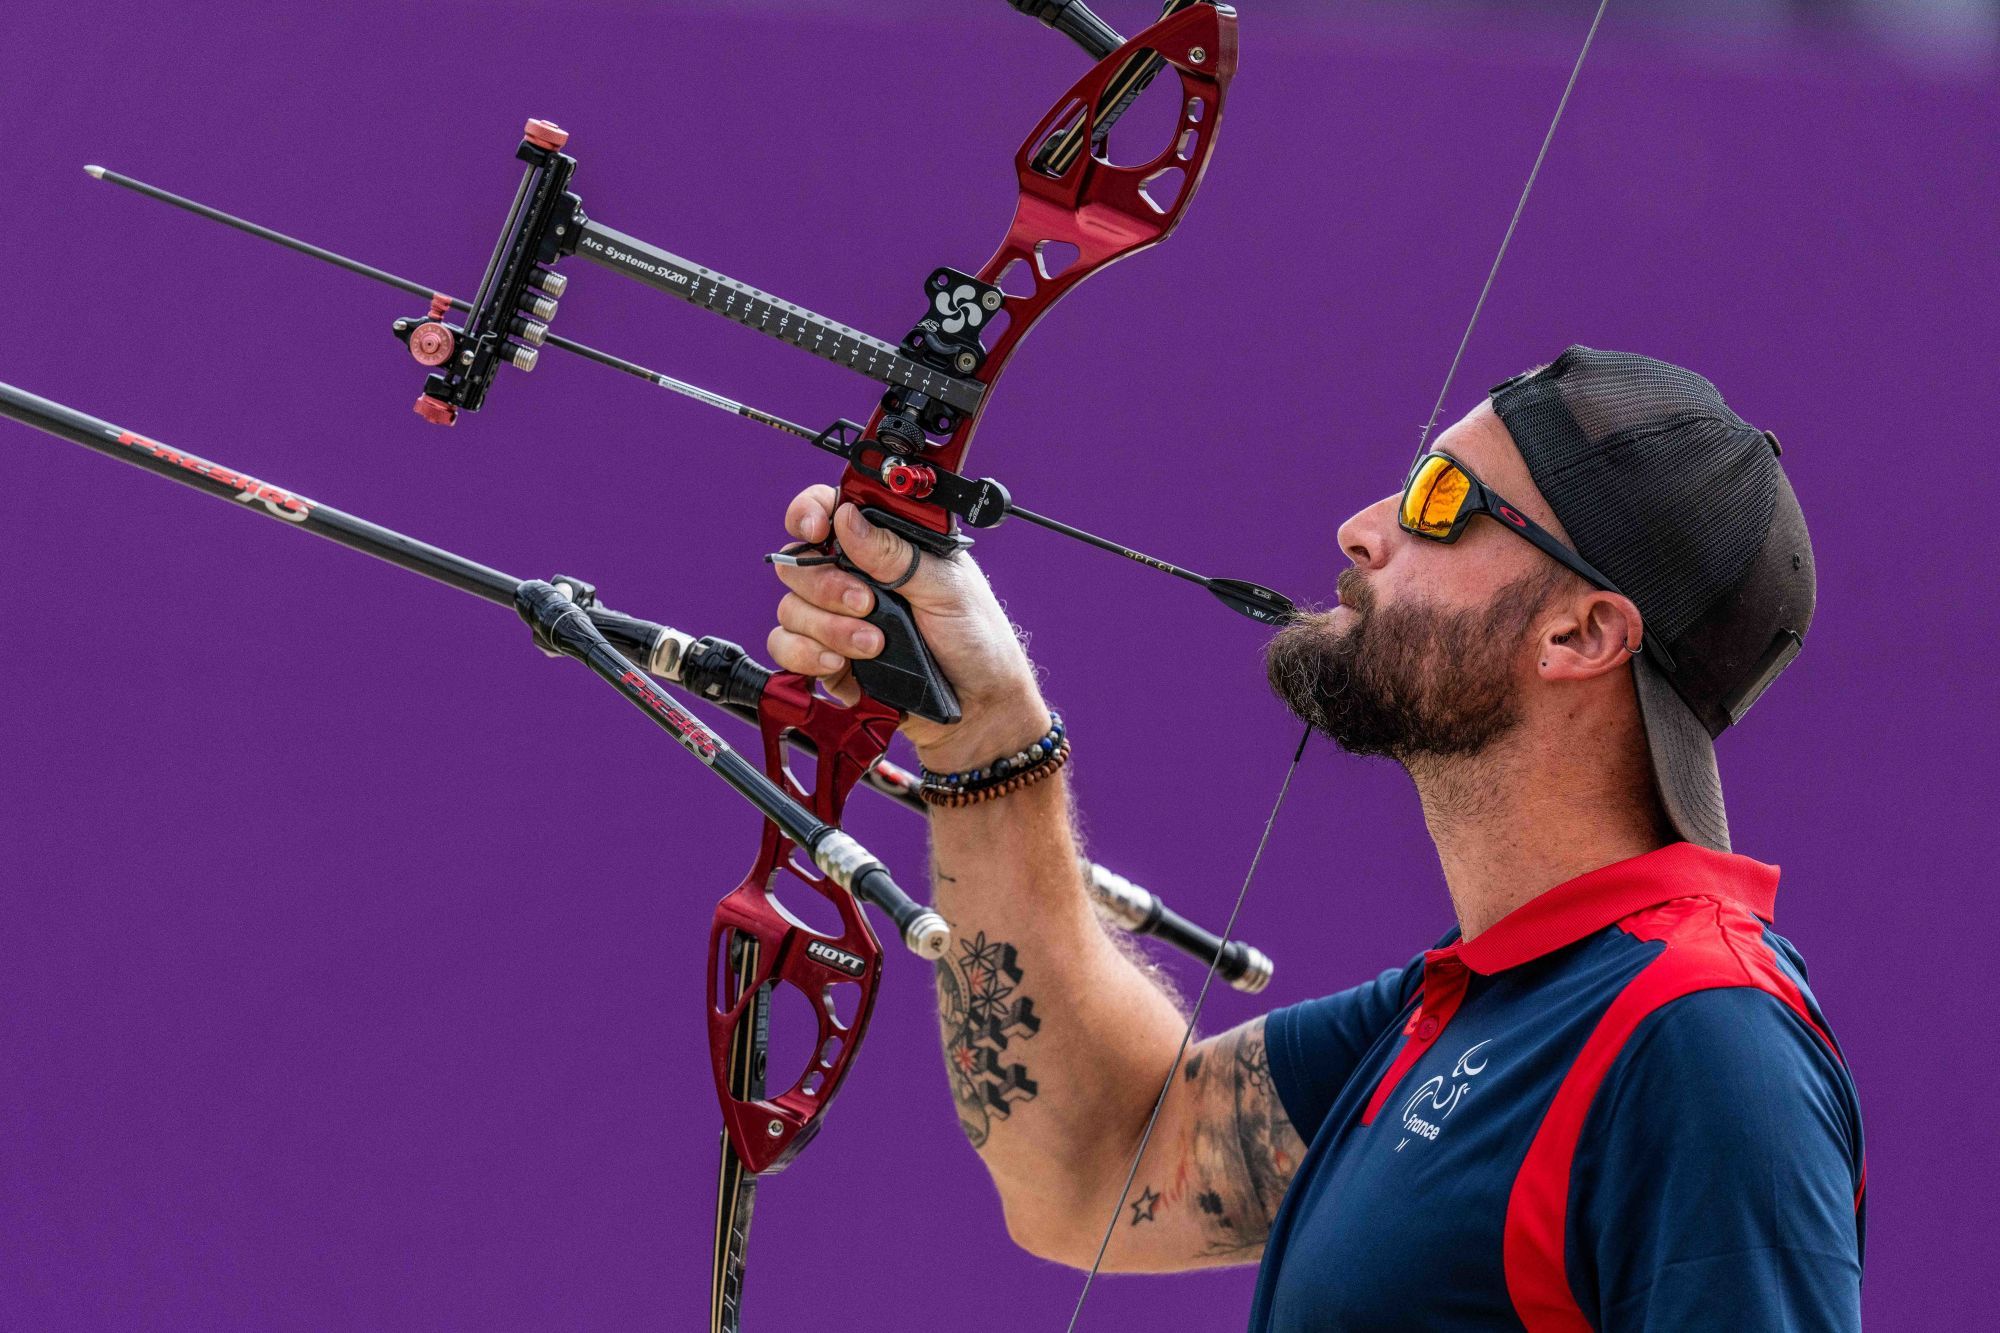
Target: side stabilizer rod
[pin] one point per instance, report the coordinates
(717, 671)
(563, 628)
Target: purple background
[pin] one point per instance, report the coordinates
(350, 950)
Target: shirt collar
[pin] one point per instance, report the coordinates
(1587, 904)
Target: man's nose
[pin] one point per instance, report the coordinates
(1366, 536)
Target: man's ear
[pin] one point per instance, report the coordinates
(1593, 633)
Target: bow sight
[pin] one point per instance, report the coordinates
(517, 299)
(516, 296)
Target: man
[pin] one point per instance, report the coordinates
(1608, 1099)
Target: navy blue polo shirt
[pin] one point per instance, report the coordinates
(1618, 1108)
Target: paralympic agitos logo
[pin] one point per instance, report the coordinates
(959, 309)
(1424, 1114)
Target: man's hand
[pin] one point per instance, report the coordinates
(821, 631)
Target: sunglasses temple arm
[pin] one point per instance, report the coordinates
(1545, 539)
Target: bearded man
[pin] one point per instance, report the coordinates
(1608, 1098)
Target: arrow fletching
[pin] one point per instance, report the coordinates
(1254, 600)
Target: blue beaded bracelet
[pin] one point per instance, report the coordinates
(938, 787)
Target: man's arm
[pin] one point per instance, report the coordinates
(1055, 1044)
(1221, 1161)
(1055, 1041)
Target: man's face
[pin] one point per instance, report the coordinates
(1432, 643)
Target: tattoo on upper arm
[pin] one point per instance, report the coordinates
(981, 1015)
(1253, 1064)
(1244, 1150)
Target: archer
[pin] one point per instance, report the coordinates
(1608, 1098)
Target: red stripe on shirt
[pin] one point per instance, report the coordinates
(1710, 944)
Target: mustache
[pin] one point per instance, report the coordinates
(1353, 590)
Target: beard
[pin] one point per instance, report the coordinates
(1410, 682)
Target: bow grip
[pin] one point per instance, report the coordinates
(904, 675)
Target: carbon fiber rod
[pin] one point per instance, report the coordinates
(557, 618)
(728, 677)
(657, 649)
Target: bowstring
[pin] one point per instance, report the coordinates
(1187, 1033)
(1284, 788)
(1520, 207)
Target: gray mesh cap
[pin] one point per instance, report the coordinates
(1683, 505)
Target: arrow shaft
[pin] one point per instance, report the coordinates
(403, 284)
(1105, 544)
(268, 234)
(712, 291)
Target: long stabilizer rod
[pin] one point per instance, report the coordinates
(558, 620)
(657, 649)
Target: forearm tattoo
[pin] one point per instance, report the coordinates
(981, 1016)
(1244, 1152)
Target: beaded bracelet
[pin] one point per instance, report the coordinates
(1035, 752)
(955, 797)
(1007, 774)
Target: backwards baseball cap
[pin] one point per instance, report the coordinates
(1682, 504)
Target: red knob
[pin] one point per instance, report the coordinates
(431, 344)
(440, 305)
(546, 134)
(436, 411)
(911, 479)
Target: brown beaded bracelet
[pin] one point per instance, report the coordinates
(954, 798)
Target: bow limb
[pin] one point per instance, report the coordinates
(1091, 214)
(756, 946)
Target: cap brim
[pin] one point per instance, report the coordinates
(1683, 760)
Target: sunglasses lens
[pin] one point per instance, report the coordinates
(1434, 497)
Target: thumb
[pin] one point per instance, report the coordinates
(877, 552)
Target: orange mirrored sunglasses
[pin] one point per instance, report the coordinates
(1441, 495)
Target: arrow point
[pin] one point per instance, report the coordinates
(95, 173)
